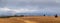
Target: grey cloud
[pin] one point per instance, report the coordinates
(23, 3)
(40, 5)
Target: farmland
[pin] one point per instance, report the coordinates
(31, 19)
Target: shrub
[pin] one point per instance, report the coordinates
(56, 16)
(44, 14)
(21, 15)
(4, 17)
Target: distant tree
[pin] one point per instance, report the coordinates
(21, 15)
(15, 15)
(4, 17)
(44, 15)
(18, 16)
(56, 16)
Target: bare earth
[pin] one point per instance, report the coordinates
(31, 19)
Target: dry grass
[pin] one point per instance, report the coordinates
(31, 19)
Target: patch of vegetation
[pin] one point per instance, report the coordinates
(56, 16)
(11, 16)
(4, 17)
(21, 15)
(44, 15)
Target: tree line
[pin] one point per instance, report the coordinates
(22, 16)
(11, 16)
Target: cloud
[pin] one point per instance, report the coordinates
(24, 3)
(5, 9)
(32, 6)
(57, 1)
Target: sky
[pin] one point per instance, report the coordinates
(33, 7)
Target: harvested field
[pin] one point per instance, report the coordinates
(31, 19)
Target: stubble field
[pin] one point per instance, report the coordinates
(31, 19)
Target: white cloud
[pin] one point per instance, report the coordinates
(24, 10)
(6, 9)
